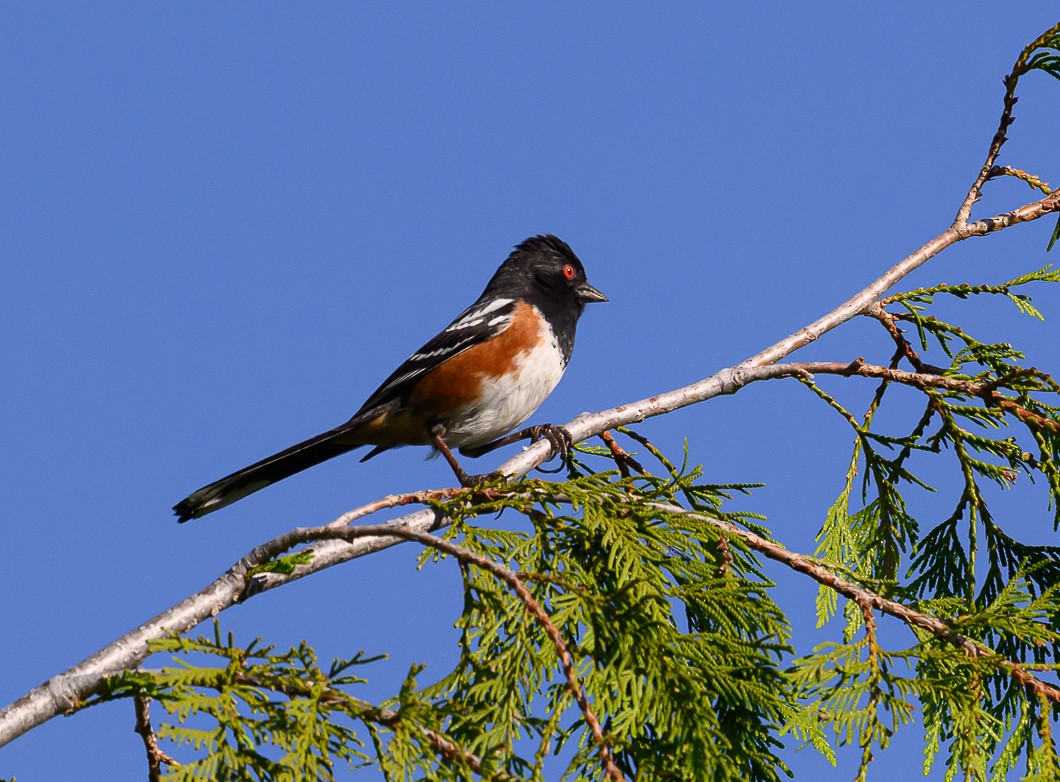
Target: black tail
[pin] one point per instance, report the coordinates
(265, 473)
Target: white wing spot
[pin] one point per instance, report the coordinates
(442, 351)
(496, 304)
(398, 381)
(476, 317)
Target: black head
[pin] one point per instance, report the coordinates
(545, 267)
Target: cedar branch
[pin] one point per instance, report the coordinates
(66, 691)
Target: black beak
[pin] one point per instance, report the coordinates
(586, 293)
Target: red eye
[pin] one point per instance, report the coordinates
(568, 272)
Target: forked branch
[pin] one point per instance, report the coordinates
(67, 691)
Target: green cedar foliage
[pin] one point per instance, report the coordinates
(672, 631)
(606, 627)
(966, 568)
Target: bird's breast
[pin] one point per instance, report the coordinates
(491, 393)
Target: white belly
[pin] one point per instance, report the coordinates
(503, 406)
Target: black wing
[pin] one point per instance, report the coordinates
(480, 322)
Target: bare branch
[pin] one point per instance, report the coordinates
(66, 691)
(976, 190)
(730, 380)
(1008, 103)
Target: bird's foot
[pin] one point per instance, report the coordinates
(560, 440)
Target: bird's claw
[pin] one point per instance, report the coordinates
(560, 440)
(472, 481)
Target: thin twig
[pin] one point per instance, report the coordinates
(872, 707)
(155, 756)
(986, 391)
(659, 455)
(622, 457)
(502, 573)
(903, 345)
(801, 563)
(424, 497)
(865, 598)
(66, 691)
(370, 713)
(1034, 182)
(999, 139)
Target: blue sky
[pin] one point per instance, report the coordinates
(223, 226)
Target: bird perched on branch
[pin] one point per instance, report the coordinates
(474, 382)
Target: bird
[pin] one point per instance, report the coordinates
(467, 388)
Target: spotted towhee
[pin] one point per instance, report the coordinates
(482, 376)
